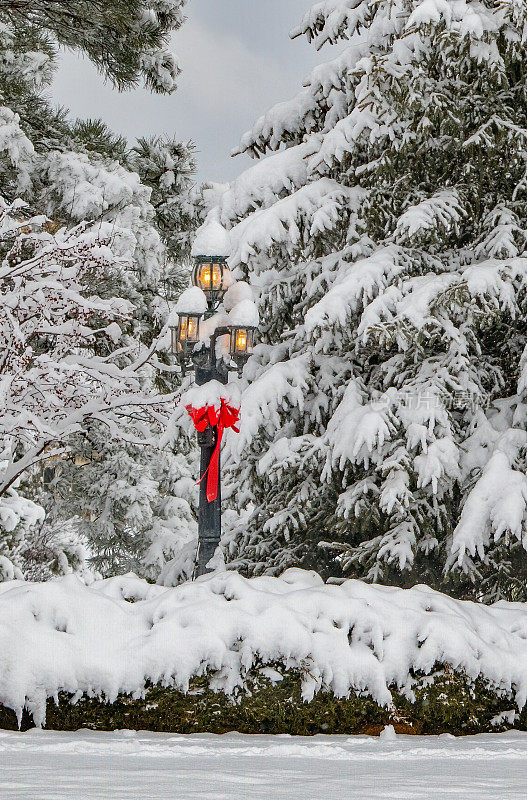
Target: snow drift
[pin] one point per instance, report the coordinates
(118, 634)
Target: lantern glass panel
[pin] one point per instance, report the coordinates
(203, 277)
(183, 328)
(217, 277)
(192, 333)
(241, 340)
(176, 346)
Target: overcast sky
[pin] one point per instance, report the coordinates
(237, 60)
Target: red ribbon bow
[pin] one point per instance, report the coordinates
(225, 417)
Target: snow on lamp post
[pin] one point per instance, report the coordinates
(214, 336)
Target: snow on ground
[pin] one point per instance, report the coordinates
(63, 635)
(125, 765)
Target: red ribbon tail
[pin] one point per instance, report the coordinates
(198, 483)
(213, 470)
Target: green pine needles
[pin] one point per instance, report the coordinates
(384, 430)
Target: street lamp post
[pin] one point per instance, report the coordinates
(202, 325)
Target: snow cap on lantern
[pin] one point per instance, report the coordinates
(236, 293)
(212, 239)
(244, 315)
(192, 301)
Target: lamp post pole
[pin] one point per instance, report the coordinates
(209, 513)
(202, 320)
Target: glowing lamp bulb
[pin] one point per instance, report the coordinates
(241, 341)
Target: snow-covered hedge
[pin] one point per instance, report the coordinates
(121, 634)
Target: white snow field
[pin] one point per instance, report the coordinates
(125, 765)
(62, 635)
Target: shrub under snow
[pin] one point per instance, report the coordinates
(120, 633)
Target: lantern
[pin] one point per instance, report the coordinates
(186, 334)
(242, 343)
(212, 276)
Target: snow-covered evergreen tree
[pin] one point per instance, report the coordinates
(79, 170)
(76, 172)
(166, 166)
(56, 379)
(386, 236)
(131, 504)
(128, 40)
